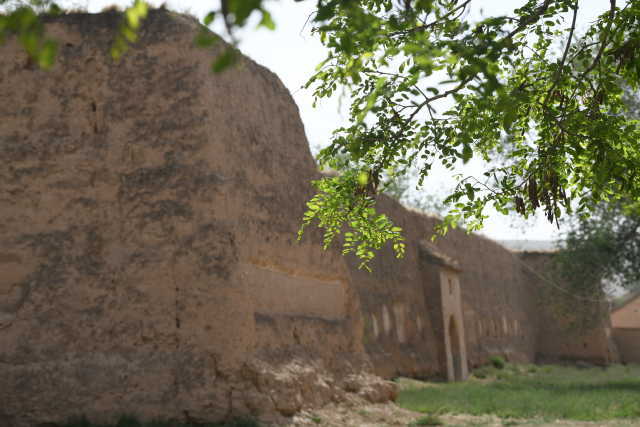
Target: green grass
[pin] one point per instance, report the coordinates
(527, 391)
(128, 421)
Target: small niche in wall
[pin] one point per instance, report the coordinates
(375, 327)
(399, 317)
(386, 320)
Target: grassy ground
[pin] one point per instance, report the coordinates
(517, 391)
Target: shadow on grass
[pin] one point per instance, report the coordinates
(130, 421)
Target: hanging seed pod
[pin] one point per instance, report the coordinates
(520, 207)
(533, 192)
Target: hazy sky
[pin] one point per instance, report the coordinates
(293, 53)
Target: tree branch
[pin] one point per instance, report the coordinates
(605, 40)
(564, 55)
(431, 24)
(444, 94)
(525, 22)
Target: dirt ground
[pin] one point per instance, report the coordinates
(361, 414)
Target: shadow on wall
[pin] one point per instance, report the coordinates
(457, 357)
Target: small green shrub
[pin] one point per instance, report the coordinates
(498, 362)
(483, 372)
(427, 420)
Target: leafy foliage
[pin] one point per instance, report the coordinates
(128, 31)
(602, 248)
(601, 251)
(21, 19)
(344, 201)
(561, 112)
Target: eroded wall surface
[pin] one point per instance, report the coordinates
(148, 253)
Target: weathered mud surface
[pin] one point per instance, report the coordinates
(147, 210)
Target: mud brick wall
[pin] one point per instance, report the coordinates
(147, 250)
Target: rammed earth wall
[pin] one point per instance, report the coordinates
(148, 216)
(148, 220)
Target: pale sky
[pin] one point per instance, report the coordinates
(292, 52)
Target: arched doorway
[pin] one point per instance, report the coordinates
(456, 353)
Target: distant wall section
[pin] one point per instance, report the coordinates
(560, 338)
(402, 301)
(626, 330)
(628, 342)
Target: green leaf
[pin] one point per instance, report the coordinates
(205, 39)
(241, 9)
(208, 20)
(509, 117)
(467, 153)
(128, 31)
(225, 60)
(47, 54)
(267, 21)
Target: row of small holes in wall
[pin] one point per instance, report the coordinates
(494, 330)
